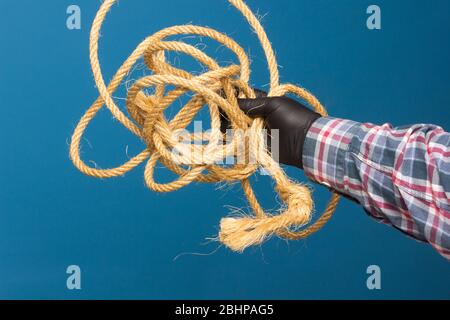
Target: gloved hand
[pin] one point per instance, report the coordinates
(290, 117)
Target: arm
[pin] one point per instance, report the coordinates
(400, 176)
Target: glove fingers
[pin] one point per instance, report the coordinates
(225, 123)
(260, 93)
(257, 107)
(249, 106)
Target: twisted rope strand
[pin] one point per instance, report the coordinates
(216, 89)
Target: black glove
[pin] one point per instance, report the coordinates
(291, 118)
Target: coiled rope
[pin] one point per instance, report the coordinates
(216, 89)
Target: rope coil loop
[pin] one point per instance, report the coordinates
(216, 88)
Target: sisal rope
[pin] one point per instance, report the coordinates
(215, 88)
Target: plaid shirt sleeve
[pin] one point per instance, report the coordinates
(401, 176)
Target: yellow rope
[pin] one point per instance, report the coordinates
(216, 89)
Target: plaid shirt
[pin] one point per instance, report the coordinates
(401, 176)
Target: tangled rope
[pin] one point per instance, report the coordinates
(216, 88)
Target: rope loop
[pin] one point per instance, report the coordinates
(202, 161)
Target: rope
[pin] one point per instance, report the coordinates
(215, 88)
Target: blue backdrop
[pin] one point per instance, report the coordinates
(125, 237)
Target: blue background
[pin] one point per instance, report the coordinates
(125, 237)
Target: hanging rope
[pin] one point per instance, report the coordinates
(216, 88)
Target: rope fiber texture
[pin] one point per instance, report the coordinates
(216, 88)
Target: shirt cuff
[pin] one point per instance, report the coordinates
(325, 150)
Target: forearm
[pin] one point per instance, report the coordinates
(400, 176)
